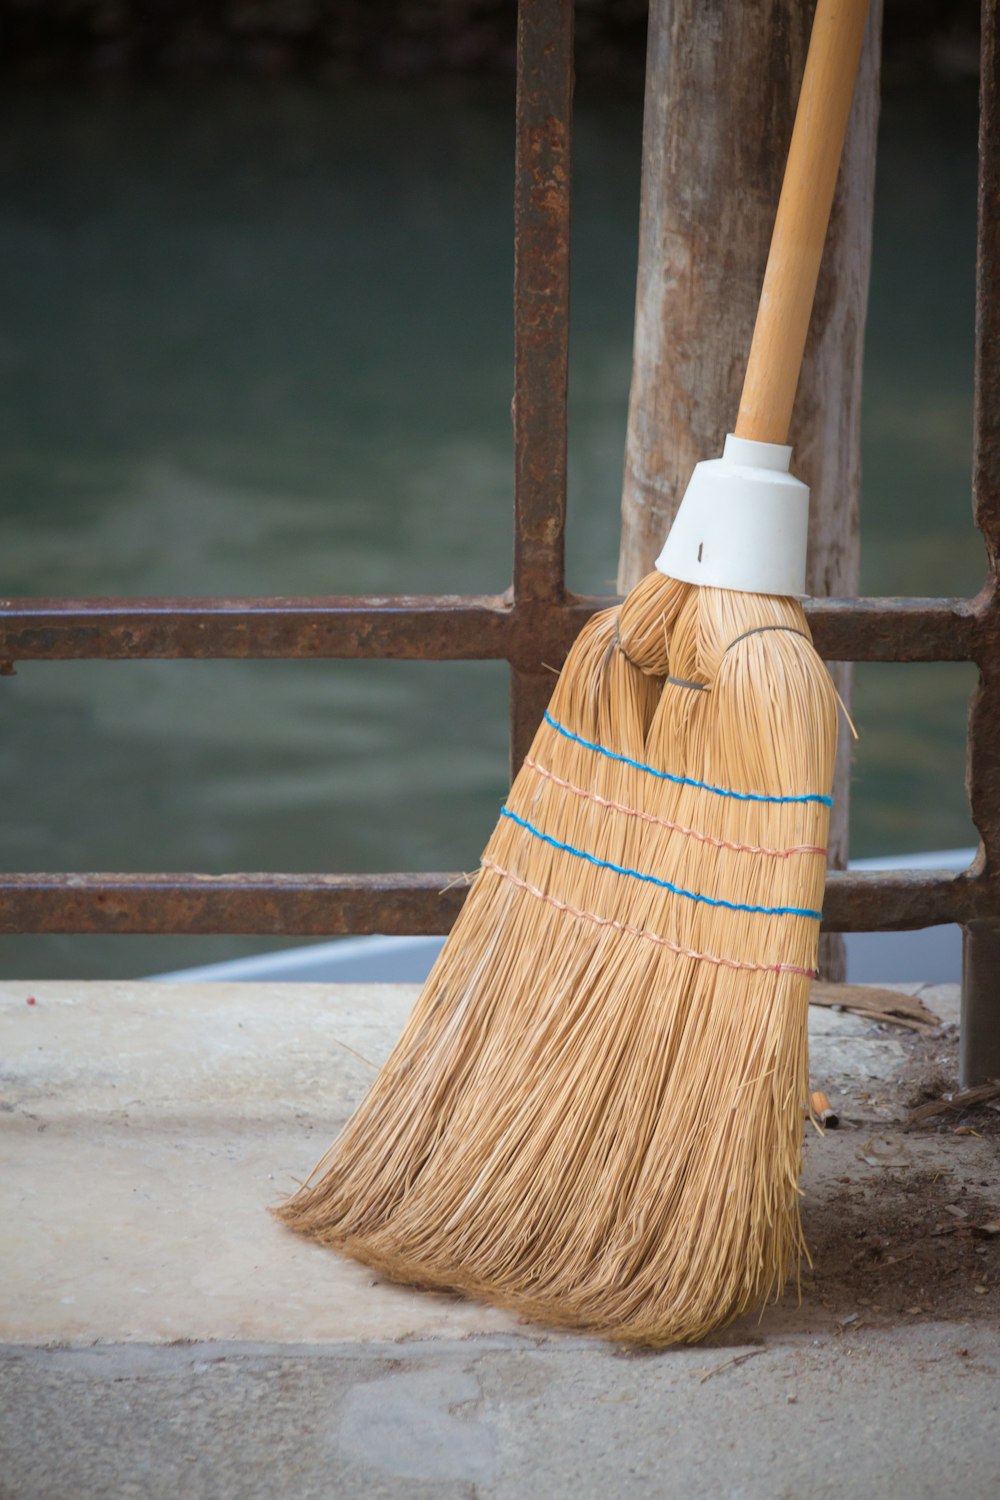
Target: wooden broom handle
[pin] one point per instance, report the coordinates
(786, 299)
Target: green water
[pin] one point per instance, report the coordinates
(257, 339)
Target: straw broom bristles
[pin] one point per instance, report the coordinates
(594, 1113)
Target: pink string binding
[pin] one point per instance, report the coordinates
(691, 833)
(651, 937)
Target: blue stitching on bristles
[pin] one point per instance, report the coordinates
(605, 864)
(681, 780)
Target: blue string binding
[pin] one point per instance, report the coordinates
(606, 864)
(680, 780)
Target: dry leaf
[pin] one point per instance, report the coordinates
(888, 1006)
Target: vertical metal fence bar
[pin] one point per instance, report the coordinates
(541, 294)
(541, 329)
(979, 1034)
(528, 699)
(980, 1029)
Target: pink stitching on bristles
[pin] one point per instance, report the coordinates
(691, 833)
(651, 937)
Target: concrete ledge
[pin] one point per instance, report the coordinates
(146, 1130)
(147, 1127)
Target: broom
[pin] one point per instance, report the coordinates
(594, 1112)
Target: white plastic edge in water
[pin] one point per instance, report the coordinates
(353, 960)
(932, 955)
(742, 524)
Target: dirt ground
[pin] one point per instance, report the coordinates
(903, 1216)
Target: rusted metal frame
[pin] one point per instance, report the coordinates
(980, 1027)
(898, 629)
(534, 634)
(329, 905)
(541, 294)
(413, 628)
(902, 900)
(541, 336)
(406, 627)
(260, 904)
(536, 622)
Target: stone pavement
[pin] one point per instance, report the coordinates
(164, 1337)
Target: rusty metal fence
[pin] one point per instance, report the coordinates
(536, 619)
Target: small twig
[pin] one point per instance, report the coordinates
(963, 1099)
(730, 1364)
(893, 1260)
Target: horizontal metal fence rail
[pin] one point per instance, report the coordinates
(448, 627)
(334, 905)
(532, 625)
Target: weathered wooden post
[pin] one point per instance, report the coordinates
(721, 86)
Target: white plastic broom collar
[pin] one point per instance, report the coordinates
(742, 524)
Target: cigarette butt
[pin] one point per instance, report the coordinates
(821, 1107)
